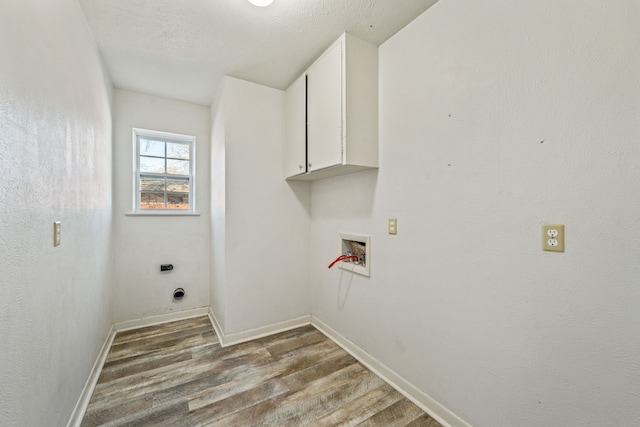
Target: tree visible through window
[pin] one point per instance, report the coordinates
(164, 171)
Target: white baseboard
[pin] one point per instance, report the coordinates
(162, 318)
(436, 410)
(216, 326)
(90, 385)
(252, 334)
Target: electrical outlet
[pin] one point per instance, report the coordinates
(393, 226)
(553, 237)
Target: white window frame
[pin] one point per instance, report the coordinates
(166, 137)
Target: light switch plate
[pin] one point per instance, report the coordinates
(393, 226)
(553, 237)
(56, 233)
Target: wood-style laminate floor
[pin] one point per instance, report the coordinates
(176, 374)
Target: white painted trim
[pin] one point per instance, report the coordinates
(216, 326)
(83, 402)
(163, 318)
(436, 410)
(227, 340)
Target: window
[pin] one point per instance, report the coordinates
(164, 175)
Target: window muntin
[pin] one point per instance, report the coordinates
(164, 178)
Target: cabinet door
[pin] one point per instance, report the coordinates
(324, 110)
(295, 150)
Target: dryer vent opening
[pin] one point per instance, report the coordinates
(178, 294)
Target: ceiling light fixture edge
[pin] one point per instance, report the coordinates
(261, 3)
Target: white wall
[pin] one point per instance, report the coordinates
(497, 117)
(142, 243)
(262, 220)
(217, 264)
(55, 158)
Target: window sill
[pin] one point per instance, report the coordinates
(162, 213)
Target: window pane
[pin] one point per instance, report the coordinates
(178, 185)
(177, 151)
(164, 174)
(152, 201)
(178, 167)
(151, 148)
(151, 164)
(177, 201)
(151, 184)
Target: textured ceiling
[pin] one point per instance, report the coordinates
(180, 49)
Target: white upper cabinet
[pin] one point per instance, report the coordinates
(324, 110)
(295, 153)
(341, 107)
